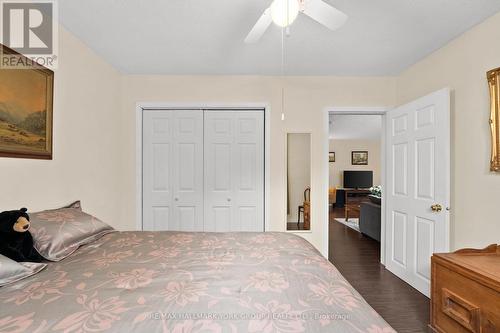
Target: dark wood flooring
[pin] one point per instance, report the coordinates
(294, 226)
(357, 257)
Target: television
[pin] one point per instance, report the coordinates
(358, 179)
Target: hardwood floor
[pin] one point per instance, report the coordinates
(357, 257)
(294, 226)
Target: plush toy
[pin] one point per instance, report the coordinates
(16, 241)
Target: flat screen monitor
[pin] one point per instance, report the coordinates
(358, 179)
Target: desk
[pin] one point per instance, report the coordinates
(353, 200)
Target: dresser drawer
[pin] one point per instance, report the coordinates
(462, 304)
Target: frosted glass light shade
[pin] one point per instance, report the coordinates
(284, 12)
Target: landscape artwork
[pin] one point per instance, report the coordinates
(26, 113)
(359, 158)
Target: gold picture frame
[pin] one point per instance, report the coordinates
(26, 109)
(494, 84)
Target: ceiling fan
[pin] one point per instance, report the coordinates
(284, 12)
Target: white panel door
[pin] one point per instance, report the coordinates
(418, 187)
(173, 170)
(234, 170)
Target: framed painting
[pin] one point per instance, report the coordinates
(359, 158)
(331, 156)
(26, 108)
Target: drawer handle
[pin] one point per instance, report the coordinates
(461, 311)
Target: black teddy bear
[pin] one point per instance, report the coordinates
(16, 241)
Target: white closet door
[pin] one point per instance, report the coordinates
(173, 170)
(234, 170)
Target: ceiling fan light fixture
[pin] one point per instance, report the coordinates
(284, 12)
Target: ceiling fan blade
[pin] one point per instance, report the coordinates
(260, 27)
(323, 13)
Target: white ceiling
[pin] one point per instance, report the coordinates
(355, 127)
(381, 37)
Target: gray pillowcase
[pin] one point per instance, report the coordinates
(59, 232)
(77, 205)
(12, 271)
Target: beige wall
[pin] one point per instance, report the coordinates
(343, 149)
(307, 98)
(86, 141)
(299, 171)
(95, 131)
(462, 66)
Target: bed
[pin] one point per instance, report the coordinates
(188, 282)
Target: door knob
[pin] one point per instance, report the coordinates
(228, 199)
(176, 199)
(436, 208)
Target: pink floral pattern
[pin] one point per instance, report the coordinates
(127, 242)
(182, 292)
(332, 293)
(96, 315)
(164, 253)
(110, 258)
(59, 215)
(40, 290)
(132, 281)
(264, 253)
(263, 239)
(192, 326)
(266, 281)
(18, 324)
(276, 318)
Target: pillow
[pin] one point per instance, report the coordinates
(77, 204)
(59, 232)
(12, 271)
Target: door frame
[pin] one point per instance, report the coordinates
(142, 106)
(366, 111)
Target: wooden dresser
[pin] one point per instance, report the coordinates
(465, 291)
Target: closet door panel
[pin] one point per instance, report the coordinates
(157, 171)
(219, 171)
(249, 184)
(234, 170)
(188, 170)
(173, 170)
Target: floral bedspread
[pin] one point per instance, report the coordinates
(189, 282)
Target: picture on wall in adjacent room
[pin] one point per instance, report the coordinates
(331, 156)
(26, 101)
(359, 158)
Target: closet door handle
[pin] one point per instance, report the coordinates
(176, 199)
(228, 199)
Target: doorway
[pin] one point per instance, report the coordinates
(359, 257)
(356, 170)
(415, 177)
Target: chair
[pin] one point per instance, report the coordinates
(332, 196)
(305, 209)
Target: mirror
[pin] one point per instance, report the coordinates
(298, 181)
(494, 83)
